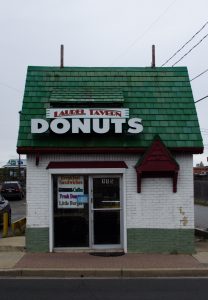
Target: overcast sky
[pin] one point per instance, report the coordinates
(96, 33)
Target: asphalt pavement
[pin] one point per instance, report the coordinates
(104, 289)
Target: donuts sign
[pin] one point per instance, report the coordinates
(87, 120)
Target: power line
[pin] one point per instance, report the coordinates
(201, 99)
(199, 75)
(185, 43)
(190, 50)
(142, 35)
(10, 87)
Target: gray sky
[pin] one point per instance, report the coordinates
(96, 33)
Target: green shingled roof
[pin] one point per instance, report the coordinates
(161, 97)
(86, 95)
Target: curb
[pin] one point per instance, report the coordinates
(104, 273)
(12, 249)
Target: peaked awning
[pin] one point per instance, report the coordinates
(157, 162)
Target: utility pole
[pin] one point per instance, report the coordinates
(62, 56)
(153, 56)
(19, 169)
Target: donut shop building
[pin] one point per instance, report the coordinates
(109, 159)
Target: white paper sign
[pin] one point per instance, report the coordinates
(70, 187)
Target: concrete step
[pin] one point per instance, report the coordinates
(12, 244)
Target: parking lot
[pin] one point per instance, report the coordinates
(18, 209)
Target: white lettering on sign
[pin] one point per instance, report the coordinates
(92, 113)
(118, 123)
(101, 128)
(82, 125)
(107, 181)
(87, 120)
(39, 125)
(135, 125)
(61, 126)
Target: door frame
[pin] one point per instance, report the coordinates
(91, 213)
(91, 172)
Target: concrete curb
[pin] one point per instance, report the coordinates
(103, 273)
(12, 249)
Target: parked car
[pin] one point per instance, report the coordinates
(12, 190)
(4, 207)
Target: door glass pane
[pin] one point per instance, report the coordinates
(106, 210)
(106, 227)
(106, 192)
(71, 211)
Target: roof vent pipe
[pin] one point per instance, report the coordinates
(62, 56)
(153, 56)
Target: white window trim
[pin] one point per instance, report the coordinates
(87, 171)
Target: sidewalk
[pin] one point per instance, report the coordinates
(14, 261)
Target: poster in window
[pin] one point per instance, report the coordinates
(70, 189)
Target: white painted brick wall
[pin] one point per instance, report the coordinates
(155, 207)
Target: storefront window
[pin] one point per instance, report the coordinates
(80, 198)
(71, 211)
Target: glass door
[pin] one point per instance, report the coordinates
(106, 211)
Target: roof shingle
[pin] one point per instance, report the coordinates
(161, 97)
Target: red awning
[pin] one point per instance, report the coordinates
(157, 162)
(86, 164)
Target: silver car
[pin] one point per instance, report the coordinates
(4, 207)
